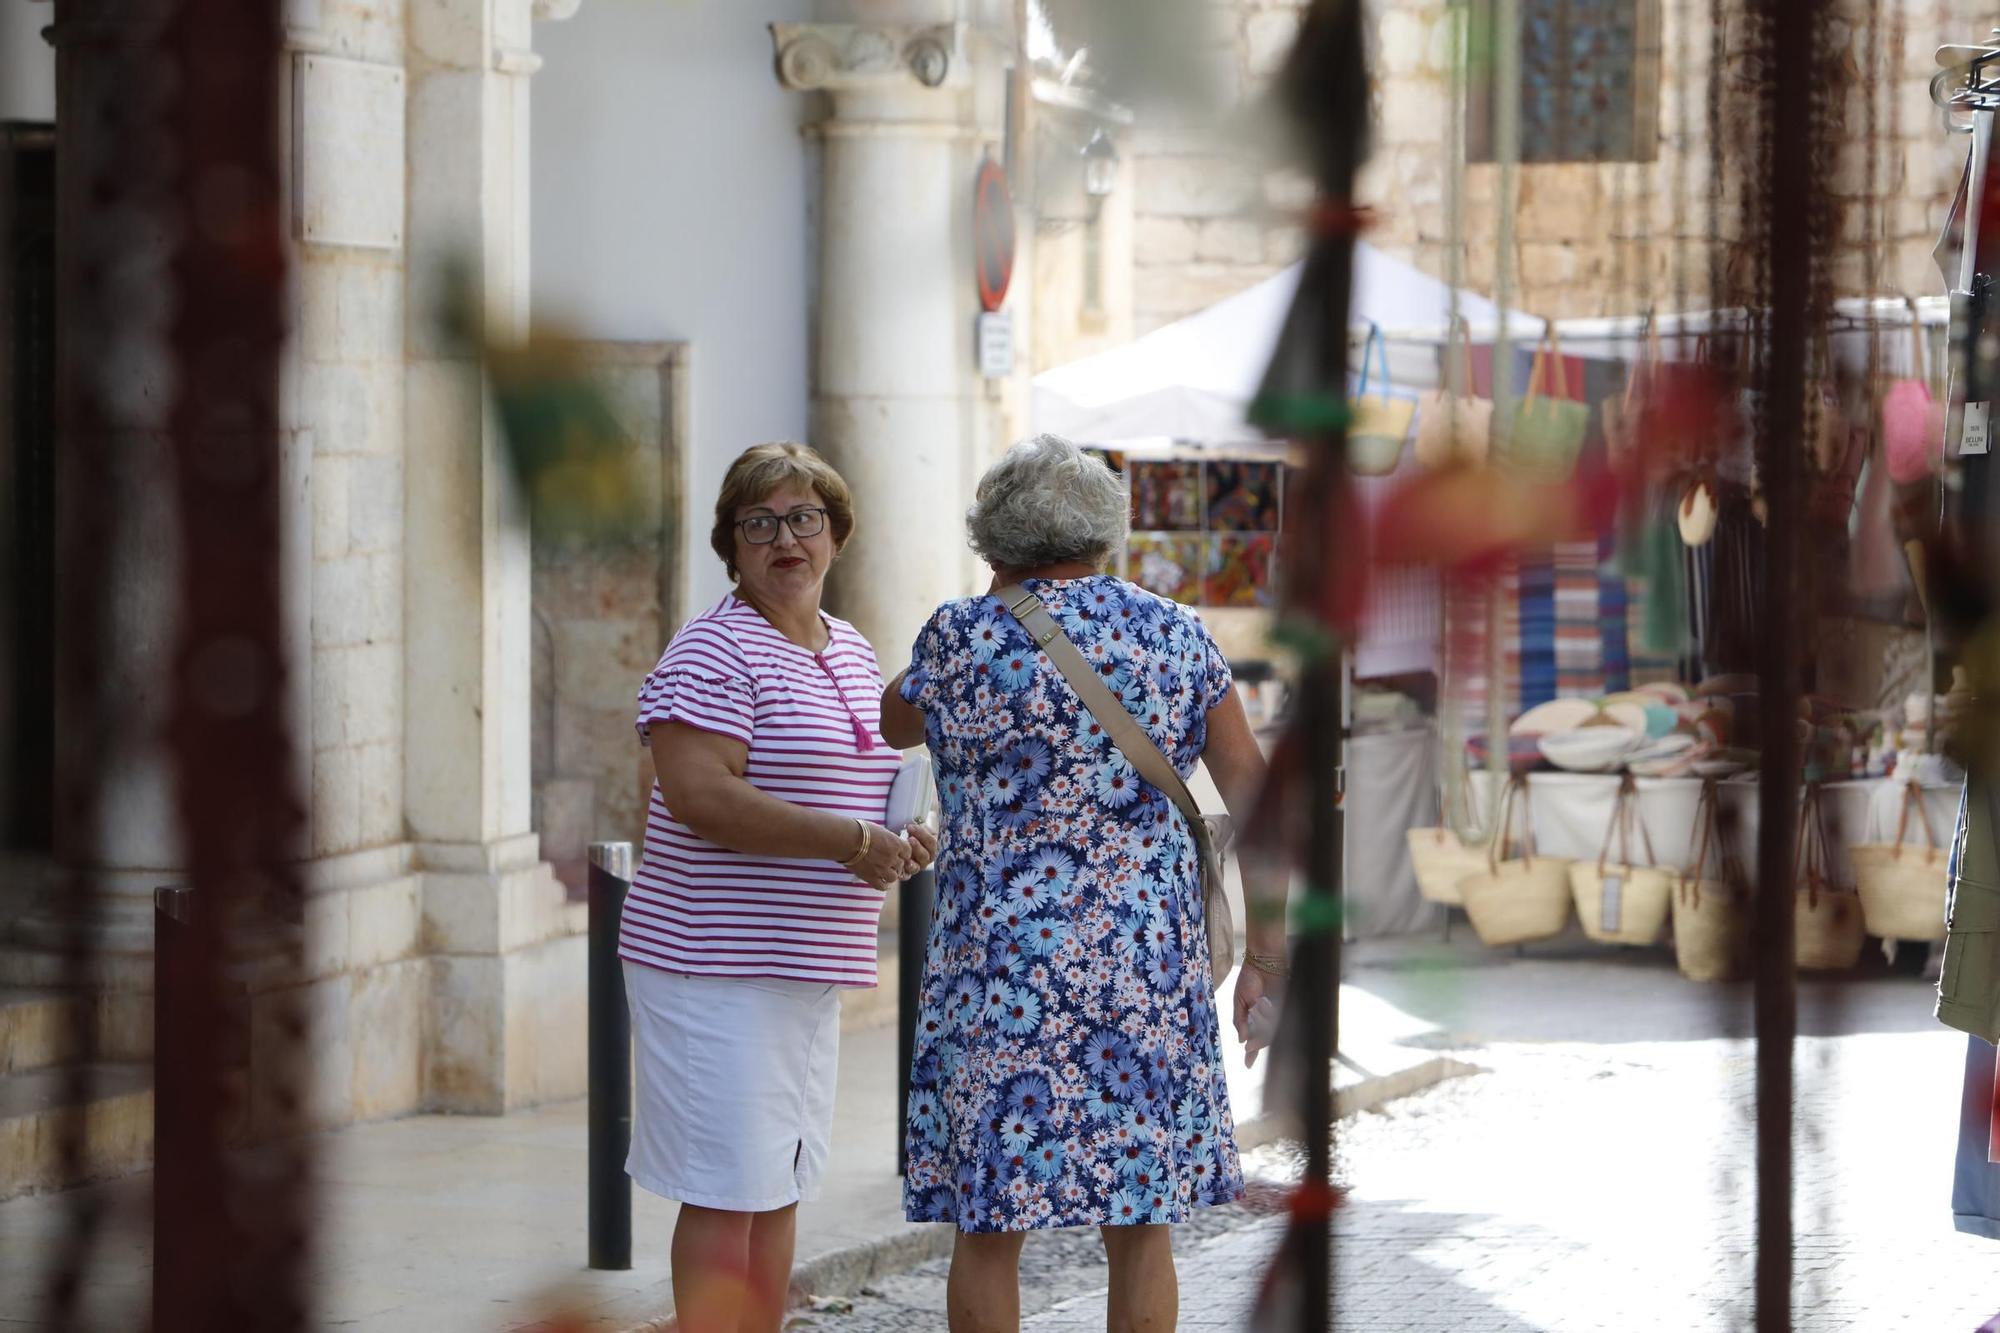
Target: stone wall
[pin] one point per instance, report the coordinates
(1213, 216)
(602, 618)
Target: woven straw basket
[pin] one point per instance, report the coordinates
(1827, 928)
(1620, 902)
(1711, 918)
(1441, 860)
(1711, 931)
(1903, 887)
(1517, 900)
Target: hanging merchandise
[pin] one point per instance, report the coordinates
(1543, 430)
(1622, 902)
(1711, 913)
(1381, 420)
(1622, 414)
(1912, 420)
(1697, 512)
(1975, 1186)
(1969, 990)
(1516, 900)
(1831, 436)
(1826, 920)
(1903, 887)
(1454, 425)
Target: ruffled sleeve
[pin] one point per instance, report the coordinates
(703, 682)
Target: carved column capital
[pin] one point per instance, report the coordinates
(887, 57)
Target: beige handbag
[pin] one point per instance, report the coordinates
(1902, 887)
(1622, 903)
(1380, 420)
(1517, 900)
(1211, 832)
(1453, 427)
(1711, 916)
(1440, 858)
(1826, 921)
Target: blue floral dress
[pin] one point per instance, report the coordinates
(1068, 1067)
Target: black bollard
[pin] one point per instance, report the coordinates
(177, 1106)
(913, 925)
(610, 1042)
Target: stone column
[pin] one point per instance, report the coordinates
(506, 996)
(892, 397)
(117, 549)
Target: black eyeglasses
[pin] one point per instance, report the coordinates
(762, 529)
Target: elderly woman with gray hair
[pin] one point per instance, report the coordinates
(1068, 1069)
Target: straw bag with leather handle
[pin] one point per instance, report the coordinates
(1515, 900)
(1827, 929)
(1903, 887)
(1711, 915)
(1211, 832)
(1542, 432)
(1453, 426)
(1440, 857)
(1380, 420)
(1622, 903)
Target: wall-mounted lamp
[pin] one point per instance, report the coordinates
(1100, 165)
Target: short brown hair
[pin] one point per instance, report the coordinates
(762, 469)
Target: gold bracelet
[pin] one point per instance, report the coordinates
(862, 850)
(1270, 964)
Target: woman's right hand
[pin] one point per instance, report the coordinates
(882, 864)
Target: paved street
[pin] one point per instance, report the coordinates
(1585, 1184)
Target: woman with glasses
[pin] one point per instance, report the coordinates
(755, 904)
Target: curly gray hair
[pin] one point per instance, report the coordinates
(1047, 502)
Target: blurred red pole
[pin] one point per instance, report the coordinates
(230, 1203)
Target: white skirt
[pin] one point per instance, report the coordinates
(734, 1080)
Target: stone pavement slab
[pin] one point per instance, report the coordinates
(468, 1222)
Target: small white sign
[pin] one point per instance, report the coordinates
(995, 338)
(1974, 435)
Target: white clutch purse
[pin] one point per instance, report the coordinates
(913, 796)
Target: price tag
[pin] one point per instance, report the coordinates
(1974, 434)
(1611, 904)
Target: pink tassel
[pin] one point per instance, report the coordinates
(862, 737)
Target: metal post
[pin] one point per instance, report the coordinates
(610, 1042)
(917, 894)
(176, 1106)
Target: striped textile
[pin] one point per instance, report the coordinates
(812, 725)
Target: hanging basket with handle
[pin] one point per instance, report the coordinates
(1826, 921)
(1711, 914)
(1441, 857)
(1453, 424)
(1516, 900)
(1622, 902)
(1381, 420)
(1543, 431)
(1902, 887)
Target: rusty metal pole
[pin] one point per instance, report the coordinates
(244, 1233)
(1788, 34)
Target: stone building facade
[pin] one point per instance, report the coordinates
(1213, 212)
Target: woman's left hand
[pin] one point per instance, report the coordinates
(923, 848)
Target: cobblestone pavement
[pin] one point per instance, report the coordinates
(1587, 1186)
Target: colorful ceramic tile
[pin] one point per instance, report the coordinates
(1166, 496)
(1167, 563)
(1242, 497)
(1239, 570)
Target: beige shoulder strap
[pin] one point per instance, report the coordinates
(1126, 733)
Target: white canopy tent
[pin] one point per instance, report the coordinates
(1193, 379)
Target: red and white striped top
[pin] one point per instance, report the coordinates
(813, 725)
